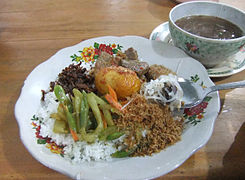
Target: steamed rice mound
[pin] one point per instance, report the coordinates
(151, 126)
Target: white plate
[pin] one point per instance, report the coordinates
(232, 65)
(193, 138)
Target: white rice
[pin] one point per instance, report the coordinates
(77, 152)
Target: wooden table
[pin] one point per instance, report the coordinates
(32, 31)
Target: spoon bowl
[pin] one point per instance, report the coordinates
(194, 94)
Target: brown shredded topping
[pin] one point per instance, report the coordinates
(75, 76)
(156, 121)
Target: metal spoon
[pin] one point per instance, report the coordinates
(193, 93)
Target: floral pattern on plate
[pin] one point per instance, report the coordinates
(90, 55)
(151, 167)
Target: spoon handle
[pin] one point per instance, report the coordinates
(232, 85)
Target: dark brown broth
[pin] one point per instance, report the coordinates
(210, 27)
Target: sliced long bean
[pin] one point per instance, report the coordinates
(121, 154)
(61, 96)
(108, 117)
(84, 111)
(105, 108)
(106, 132)
(71, 122)
(76, 92)
(77, 105)
(94, 106)
(114, 135)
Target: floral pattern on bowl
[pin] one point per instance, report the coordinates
(211, 51)
(208, 53)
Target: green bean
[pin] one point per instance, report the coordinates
(108, 117)
(71, 121)
(105, 108)
(114, 135)
(121, 154)
(110, 108)
(77, 105)
(98, 99)
(94, 106)
(78, 93)
(91, 123)
(109, 130)
(61, 96)
(60, 93)
(84, 110)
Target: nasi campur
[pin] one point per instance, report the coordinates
(117, 107)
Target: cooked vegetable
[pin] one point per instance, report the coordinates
(105, 109)
(112, 101)
(78, 93)
(84, 111)
(60, 127)
(56, 116)
(61, 113)
(71, 123)
(77, 108)
(114, 135)
(112, 92)
(121, 154)
(104, 121)
(108, 117)
(84, 119)
(94, 106)
(106, 132)
(88, 137)
(61, 96)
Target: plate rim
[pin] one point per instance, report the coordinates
(66, 173)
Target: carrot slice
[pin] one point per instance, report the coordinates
(112, 102)
(74, 135)
(112, 92)
(104, 120)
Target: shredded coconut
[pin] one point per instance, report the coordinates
(152, 90)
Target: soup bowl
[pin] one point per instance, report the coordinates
(208, 51)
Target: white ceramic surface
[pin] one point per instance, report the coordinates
(232, 65)
(193, 138)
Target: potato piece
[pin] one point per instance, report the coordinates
(124, 81)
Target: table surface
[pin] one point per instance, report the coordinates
(32, 31)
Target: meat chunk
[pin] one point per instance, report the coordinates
(139, 67)
(157, 70)
(131, 54)
(129, 60)
(105, 60)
